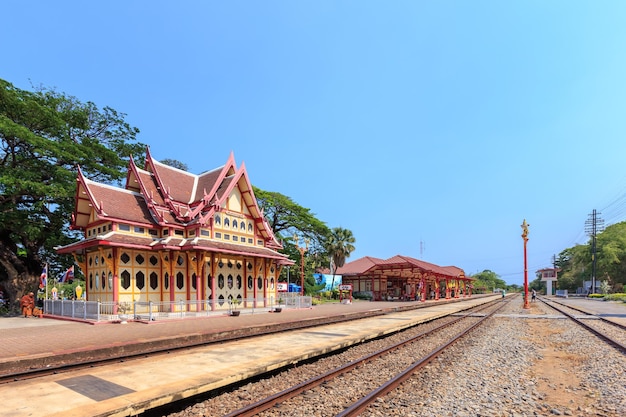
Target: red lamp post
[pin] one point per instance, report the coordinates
(302, 249)
(525, 237)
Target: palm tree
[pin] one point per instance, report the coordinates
(339, 245)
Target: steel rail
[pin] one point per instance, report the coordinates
(602, 319)
(269, 402)
(619, 346)
(359, 406)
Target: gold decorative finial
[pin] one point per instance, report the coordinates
(525, 229)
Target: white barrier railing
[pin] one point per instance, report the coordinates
(151, 310)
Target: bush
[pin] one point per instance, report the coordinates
(616, 297)
(596, 295)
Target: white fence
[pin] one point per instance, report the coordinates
(151, 311)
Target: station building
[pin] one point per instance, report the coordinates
(404, 278)
(169, 236)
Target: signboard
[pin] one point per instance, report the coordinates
(345, 287)
(282, 286)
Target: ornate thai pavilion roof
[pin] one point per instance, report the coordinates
(160, 197)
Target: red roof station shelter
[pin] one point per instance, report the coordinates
(404, 278)
(175, 239)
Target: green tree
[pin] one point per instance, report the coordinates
(288, 219)
(175, 163)
(611, 252)
(575, 267)
(44, 137)
(340, 244)
(488, 280)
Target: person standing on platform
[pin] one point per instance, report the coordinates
(28, 303)
(534, 296)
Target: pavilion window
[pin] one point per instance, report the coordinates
(125, 279)
(154, 280)
(140, 280)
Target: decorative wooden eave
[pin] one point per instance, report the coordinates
(155, 209)
(84, 194)
(150, 166)
(211, 197)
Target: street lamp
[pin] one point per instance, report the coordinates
(302, 249)
(525, 237)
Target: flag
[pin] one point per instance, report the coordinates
(44, 277)
(68, 276)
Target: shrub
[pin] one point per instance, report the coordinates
(616, 297)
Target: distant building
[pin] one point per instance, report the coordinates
(171, 236)
(549, 276)
(404, 278)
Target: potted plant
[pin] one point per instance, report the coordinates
(279, 308)
(122, 309)
(233, 309)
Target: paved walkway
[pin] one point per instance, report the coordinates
(40, 340)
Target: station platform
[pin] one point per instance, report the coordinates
(129, 388)
(29, 343)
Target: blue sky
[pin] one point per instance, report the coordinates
(430, 129)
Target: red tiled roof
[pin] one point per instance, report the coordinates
(358, 266)
(118, 203)
(366, 264)
(161, 195)
(180, 185)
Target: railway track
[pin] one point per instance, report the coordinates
(425, 345)
(609, 331)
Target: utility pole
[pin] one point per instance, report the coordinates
(593, 226)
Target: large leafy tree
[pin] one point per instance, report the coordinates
(488, 280)
(44, 136)
(576, 262)
(340, 245)
(288, 220)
